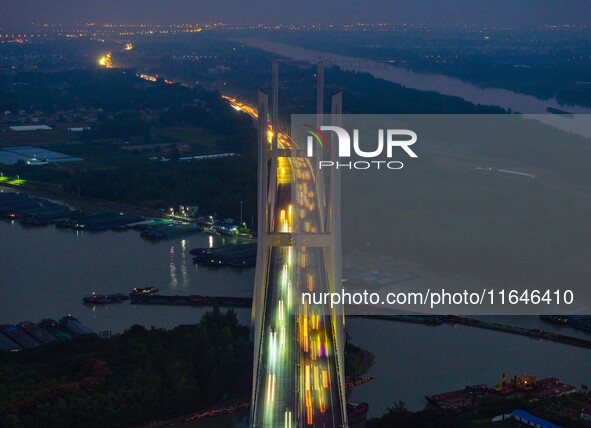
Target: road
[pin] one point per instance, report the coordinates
(297, 381)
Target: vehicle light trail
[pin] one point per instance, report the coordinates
(298, 379)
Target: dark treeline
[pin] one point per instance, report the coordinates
(217, 185)
(249, 69)
(110, 90)
(132, 378)
(138, 376)
(365, 94)
(398, 416)
(121, 95)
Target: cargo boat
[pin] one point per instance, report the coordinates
(243, 255)
(143, 291)
(170, 230)
(102, 299)
(107, 221)
(149, 224)
(45, 208)
(529, 332)
(530, 387)
(580, 322)
(431, 320)
(47, 218)
(18, 206)
(524, 386)
(556, 319)
(99, 222)
(192, 300)
(66, 223)
(461, 400)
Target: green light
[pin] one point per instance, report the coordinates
(16, 181)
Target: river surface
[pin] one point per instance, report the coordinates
(579, 122)
(44, 272)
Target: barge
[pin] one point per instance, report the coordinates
(170, 230)
(192, 300)
(103, 299)
(523, 386)
(243, 255)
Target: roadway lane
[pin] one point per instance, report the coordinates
(297, 381)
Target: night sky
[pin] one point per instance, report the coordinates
(515, 13)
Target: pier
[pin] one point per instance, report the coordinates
(192, 300)
(535, 333)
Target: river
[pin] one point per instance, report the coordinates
(531, 106)
(46, 271)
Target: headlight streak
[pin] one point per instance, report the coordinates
(295, 333)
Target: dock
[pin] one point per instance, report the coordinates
(192, 300)
(170, 230)
(243, 255)
(524, 386)
(436, 320)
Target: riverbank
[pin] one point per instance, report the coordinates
(422, 81)
(48, 270)
(33, 208)
(532, 107)
(47, 191)
(86, 381)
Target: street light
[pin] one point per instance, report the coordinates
(240, 212)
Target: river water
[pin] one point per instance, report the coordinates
(44, 272)
(422, 81)
(531, 106)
